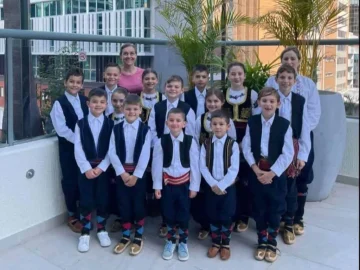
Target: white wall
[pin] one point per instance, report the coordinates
(350, 165)
(24, 202)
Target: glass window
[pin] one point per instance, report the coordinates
(147, 32)
(100, 5)
(109, 5)
(129, 4)
(92, 5)
(99, 24)
(68, 6)
(52, 8)
(128, 19)
(58, 7)
(1, 14)
(75, 6)
(51, 24)
(120, 4)
(47, 9)
(38, 10)
(82, 6)
(142, 3)
(147, 19)
(74, 24)
(128, 32)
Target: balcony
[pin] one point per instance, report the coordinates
(33, 234)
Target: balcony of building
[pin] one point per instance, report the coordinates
(33, 233)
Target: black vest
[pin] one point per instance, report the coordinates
(87, 139)
(276, 140)
(71, 118)
(120, 141)
(167, 146)
(160, 114)
(145, 112)
(297, 111)
(190, 98)
(209, 146)
(243, 110)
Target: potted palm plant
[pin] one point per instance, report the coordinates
(292, 22)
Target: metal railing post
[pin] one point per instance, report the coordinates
(9, 90)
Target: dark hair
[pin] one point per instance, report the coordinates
(97, 92)
(221, 114)
(285, 68)
(176, 111)
(109, 65)
(269, 91)
(236, 64)
(200, 68)
(175, 78)
(120, 90)
(132, 99)
(215, 92)
(127, 45)
(76, 72)
(291, 49)
(148, 71)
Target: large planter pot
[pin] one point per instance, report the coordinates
(329, 145)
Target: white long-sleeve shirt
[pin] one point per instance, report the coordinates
(58, 117)
(95, 124)
(109, 92)
(304, 140)
(176, 169)
(130, 134)
(284, 159)
(306, 88)
(217, 176)
(190, 122)
(231, 132)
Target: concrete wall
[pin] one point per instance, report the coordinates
(25, 203)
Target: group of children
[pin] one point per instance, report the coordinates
(218, 156)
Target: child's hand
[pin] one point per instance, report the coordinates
(217, 190)
(158, 194)
(131, 181)
(98, 171)
(125, 177)
(90, 174)
(257, 170)
(300, 164)
(266, 178)
(192, 194)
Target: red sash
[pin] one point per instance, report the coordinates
(176, 180)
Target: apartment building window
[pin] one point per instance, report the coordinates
(89, 68)
(142, 3)
(100, 5)
(340, 74)
(129, 4)
(341, 34)
(341, 48)
(35, 10)
(147, 23)
(35, 63)
(75, 6)
(128, 23)
(1, 14)
(341, 60)
(52, 8)
(74, 24)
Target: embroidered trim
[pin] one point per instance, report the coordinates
(236, 106)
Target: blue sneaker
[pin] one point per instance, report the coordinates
(168, 250)
(183, 252)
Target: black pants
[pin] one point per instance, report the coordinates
(291, 201)
(220, 210)
(112, 205)
(243, 194)
(130, 200)
(93, 196)
(269, 205)
(69, 181)
(302, 181)
(198, 206)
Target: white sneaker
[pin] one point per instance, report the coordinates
(84, 241)
(104, 239)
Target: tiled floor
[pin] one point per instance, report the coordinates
(331, 241)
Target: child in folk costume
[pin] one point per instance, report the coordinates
(174, 87)
(176, 177)
(149, 97)
(129, 153)
(219, 165)
(111, 76)
(117, 102)
(214, 101)
(292, 109)
(305, 87)
(241, 103)
(268, 149)
(92, 137)
(196, 97)
(66, 111)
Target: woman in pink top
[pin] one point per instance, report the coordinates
(130, 77)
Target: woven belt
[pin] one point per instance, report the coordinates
(176, 180)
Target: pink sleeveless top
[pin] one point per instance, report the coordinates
(132, 82)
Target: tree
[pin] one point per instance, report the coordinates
(194, 29)
(296, 20)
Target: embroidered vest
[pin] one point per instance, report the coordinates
(238, 112)
(204, 132)
(145, 112)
